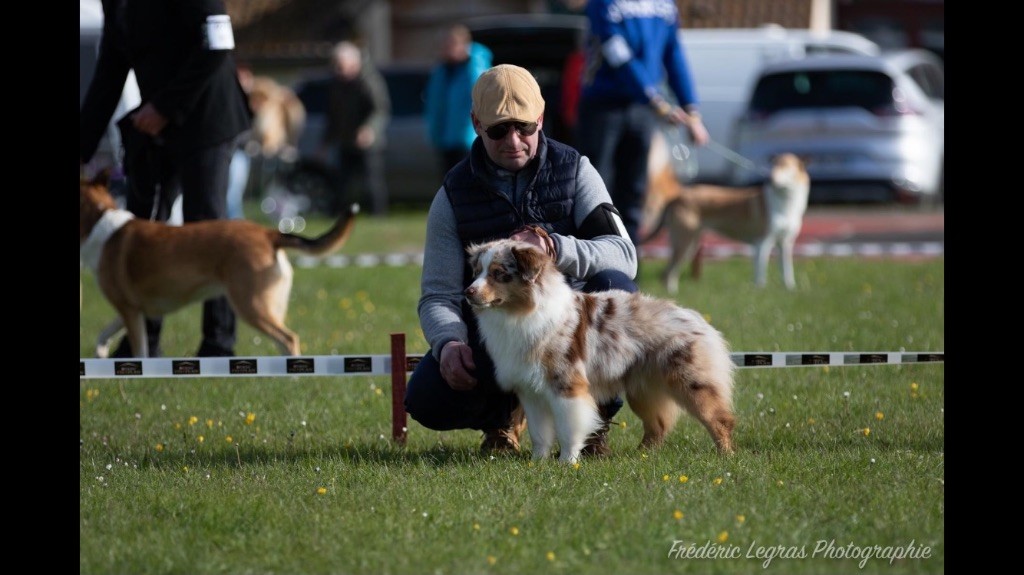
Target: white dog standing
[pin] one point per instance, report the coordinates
(765, 216)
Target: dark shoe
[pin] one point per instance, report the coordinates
(210, 350)
(505, 439)
(596, 444)
(124, 349)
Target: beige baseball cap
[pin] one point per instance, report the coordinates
(507, 93)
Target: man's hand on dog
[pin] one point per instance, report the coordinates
(537, 236)
(456, 364)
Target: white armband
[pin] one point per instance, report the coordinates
(217, 34)
(616, 51)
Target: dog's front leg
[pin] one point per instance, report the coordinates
(786, 260)
(575, 419)
(136, 326)
(762, 252)
(539, 424)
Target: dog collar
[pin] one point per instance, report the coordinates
(92, 247)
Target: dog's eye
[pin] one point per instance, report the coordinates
(501, 274)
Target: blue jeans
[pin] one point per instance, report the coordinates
(616, 138)
(434, 404)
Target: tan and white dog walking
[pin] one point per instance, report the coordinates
(765, 217)
(148, 269)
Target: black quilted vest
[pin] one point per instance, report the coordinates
(482, 213)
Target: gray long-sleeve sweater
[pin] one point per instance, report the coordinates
(441, 296)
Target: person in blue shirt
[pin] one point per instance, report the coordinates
(449, 94)
(632, 52)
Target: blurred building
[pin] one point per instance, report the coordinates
(280, 37)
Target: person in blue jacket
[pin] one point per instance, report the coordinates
(632, 51)
(449, 94)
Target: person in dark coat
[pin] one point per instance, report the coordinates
(358, 113)
(179, 141)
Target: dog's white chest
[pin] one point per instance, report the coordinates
(92, 247)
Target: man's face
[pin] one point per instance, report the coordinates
(513, 150)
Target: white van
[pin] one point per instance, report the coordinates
(724, 63)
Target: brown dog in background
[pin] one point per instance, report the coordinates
(149, 269)
(762, 216)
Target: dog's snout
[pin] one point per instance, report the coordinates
(470, 291)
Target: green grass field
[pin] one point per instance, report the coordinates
(837, 469)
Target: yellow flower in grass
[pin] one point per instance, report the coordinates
(229, 439)
(677, 514)
(879, 415)
(576, 465)
(200, 439)
(249, 418)
(741, 518)
(866, 431)
(664, 477)
(321, 490)
(913, 386)
(551, 555)
(209, 423)
(717, 481)
(723, 536)
(159, 447)
(491, 559)
(476, 527)
(683, 479)
(193, 420)
(91, 394)
(514, 531)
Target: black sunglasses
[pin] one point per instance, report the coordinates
(499, 131)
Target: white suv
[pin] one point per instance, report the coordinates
(870, 128)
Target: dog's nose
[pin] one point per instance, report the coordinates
(470, 291)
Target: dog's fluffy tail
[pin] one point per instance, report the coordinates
(326, 243)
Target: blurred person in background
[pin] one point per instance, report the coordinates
(180, 140)
(632, 49)
(358, 111)
(449, 94)
(279, 118)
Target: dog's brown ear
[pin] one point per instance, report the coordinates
(530, 261)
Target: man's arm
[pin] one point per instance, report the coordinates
(440, 303)
(104, 92)
(604, 243)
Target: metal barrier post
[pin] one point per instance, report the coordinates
(398, 367)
